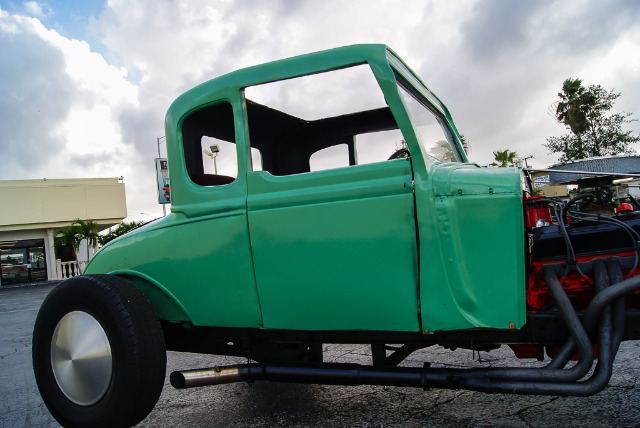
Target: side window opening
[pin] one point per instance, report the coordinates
(209, 144)
(256, 159)
(378, 146)
(330, 157)
(313, 123)
(219, 157)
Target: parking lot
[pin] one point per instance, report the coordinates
(292, 405)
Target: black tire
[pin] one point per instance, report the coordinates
(130, 387)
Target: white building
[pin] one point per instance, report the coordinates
(32, 210)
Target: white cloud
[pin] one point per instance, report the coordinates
(33, 8)
(61, 105)
(511, 59)
(497, 65)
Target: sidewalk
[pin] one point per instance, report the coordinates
(29, 284)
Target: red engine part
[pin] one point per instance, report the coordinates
(623, 208)
(579, 287)
(535, 209)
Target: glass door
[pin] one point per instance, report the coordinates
(37, 264)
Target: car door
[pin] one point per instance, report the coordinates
(331, 219)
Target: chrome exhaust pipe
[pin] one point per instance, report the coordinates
(205, 377)
(323, 373)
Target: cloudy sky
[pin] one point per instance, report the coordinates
(84, 85)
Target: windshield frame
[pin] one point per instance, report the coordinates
(403, 75)
(418, 108)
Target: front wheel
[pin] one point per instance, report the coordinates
(99, 356)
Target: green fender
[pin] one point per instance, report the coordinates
(164, 304)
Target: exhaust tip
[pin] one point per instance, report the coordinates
(205, 377)
(177, 380)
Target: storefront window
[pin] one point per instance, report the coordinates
(23, 261)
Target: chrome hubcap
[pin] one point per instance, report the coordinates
(81, 358)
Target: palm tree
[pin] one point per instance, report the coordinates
(87, 230)
(575, 102)
(465, 144)
(122, 228)
(66, 243)
(504, 158)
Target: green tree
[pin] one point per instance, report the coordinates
(122, 228)
(575, 102)
(465, 144)
(87, 230)
(66, 243)
(594, 132)
(504, 158)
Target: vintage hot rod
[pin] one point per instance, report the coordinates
(327, 198)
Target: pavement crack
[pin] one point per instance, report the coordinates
(520, 413)
(623, 387)
(449, 400)
(2, 357)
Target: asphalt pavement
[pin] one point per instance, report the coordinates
(293, 405)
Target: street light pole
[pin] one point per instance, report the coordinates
(160, 140)
(213, 154)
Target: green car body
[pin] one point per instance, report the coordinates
(411, 244)
(327, 199)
